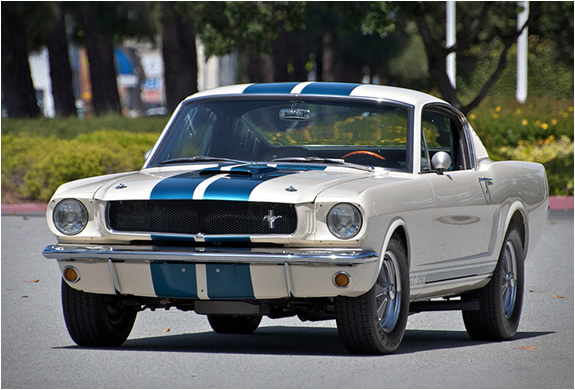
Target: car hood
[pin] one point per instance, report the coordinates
(283, 183)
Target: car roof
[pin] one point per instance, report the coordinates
(408, 96)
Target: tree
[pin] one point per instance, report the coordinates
(268, 34)
(178, 51)
(17, 86)
(98, 26)
(60, 69)
(490, 25)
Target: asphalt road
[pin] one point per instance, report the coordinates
(172, 349)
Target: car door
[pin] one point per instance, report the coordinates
(463, 216)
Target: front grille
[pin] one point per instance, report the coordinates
(211, 217)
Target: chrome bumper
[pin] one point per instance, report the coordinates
(330, 256)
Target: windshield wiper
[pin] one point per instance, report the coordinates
(338, 161)
(180, 160)
(311, 159)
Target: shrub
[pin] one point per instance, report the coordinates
(34, 166)
(555, 155)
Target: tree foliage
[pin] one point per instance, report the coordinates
(396, 43)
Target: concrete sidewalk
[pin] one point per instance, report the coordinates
(556, 203)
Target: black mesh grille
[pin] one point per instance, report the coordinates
(202, 216)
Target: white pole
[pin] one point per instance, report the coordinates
(521, 93)
(450, 40)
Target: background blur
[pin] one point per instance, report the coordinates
(87, 86)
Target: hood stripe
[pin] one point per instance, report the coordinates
(224, 185)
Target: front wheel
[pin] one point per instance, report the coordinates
(500, 302)
(374, 323)
(96, 320)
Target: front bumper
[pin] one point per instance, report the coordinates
(217, 273)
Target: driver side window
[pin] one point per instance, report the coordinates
(441, 132)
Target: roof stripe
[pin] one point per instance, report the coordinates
(270, 88)
(342, 89)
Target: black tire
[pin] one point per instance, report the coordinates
(231, 324)
(374, 323)
(501, 301)
(96, 320)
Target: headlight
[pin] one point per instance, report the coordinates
(344, 221)
(70, 216)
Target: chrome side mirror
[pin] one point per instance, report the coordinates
(147, 154)
(441, 161)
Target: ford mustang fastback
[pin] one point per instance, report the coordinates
(352, 202)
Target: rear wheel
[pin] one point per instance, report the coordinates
(501, 301)
(96, 320)
(374, 323)
(234, 324)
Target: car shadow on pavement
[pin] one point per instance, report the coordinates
(282, 340)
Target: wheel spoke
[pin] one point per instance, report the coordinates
(509, 278)
(387, 293)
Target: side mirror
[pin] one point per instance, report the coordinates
(441, 161)
(147, 154)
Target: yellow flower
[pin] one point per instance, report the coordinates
(524, 122)
(518, 111)
(472, 117)
(570, 108)
(498, 109)
(495, 116)
(544, 126)
(554, 122)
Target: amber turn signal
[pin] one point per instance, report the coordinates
(341, 279)
(71, 274)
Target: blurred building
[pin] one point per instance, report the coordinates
(140, 78)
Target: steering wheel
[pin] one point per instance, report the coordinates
(366, 152)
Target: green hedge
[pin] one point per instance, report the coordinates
(540, 131)
(33, 167)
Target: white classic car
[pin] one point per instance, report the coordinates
(352, 202)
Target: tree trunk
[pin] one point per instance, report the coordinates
(259, 67)
(17, 86)
(179, 55)
(60, 70)
(100, 49)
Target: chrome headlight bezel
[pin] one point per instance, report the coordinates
(70, 217)
(344, 221)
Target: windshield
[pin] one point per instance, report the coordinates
(273, 129)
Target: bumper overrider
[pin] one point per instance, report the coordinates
(216, 273)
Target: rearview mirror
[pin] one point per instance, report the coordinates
(441, 161)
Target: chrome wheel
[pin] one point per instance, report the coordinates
(509, 279)
(388, 293)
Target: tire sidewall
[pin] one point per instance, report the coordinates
(509, 325)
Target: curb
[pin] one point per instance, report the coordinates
(25, 209)
(556, 203)
(561, 203)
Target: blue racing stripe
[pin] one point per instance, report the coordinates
(271, 88)
(177, 187)
(233, 187)
(342, 89)
(228, 188)
(229, 281)
(174, 280)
